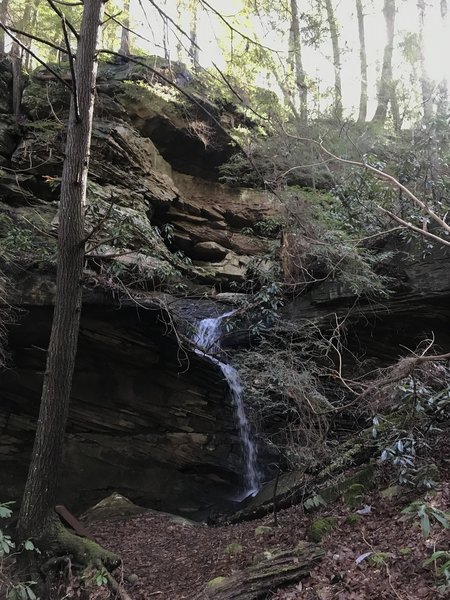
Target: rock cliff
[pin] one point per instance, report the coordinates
(150, 418)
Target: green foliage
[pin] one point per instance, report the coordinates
(379, 559)
(424, 401)
(427, 515)
(19, 238)
(22, 590)
(314, 502)
(441, 561)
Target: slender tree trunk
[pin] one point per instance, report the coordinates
(332, 24)
(193, 27)
(362, 115)
(179, 22)
(296, 60)
(37, 517)
(3, 19)
(442, 103)
(32, 29)
(125, 35)
(386, 87)
(425, 82)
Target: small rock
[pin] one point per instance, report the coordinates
(133, 578)
(263, 530)
(233, 548)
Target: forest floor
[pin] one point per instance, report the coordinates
(173, 561)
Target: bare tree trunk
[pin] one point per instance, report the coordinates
(425, 82)
(442, 103)
(386, 87)
(125, 36)
(16, 62)
(362, 115)
(37, 517)
(33, 20)
(193, 13)
(332, 24)
(3, 19)
(296, 60)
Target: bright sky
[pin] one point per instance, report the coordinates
(317, 62)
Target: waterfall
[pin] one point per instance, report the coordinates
(207, 338)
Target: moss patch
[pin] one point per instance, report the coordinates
(320, 527)
(353, 495)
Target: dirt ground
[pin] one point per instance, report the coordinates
(171, 561)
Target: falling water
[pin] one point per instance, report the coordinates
(207, 338)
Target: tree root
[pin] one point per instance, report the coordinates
(58, 541)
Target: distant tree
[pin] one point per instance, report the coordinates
(4, 19)
(296, 60)
(442, 103)
(362, 115)
(386, 84)
(193, 32)
(425, 82)
(334, 34)
(125, 33)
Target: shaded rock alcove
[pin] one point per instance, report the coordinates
(147, 418)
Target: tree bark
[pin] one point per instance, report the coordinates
(332, 24)
(259, 580)
(362, 115)
(37, 518)
(386, 87)
(296, 61)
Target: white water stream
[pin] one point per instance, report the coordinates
(207, 339)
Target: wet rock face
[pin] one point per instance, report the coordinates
(146, 419)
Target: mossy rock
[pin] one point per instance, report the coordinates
(233, 548)
(405, 551)
(363, 478)
(391, 492)
(320, 527)
(263, 530)
(353, 495)
(216, 582)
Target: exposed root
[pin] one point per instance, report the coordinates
(59, 541)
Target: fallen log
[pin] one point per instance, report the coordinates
(259, 580)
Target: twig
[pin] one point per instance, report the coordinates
(97, 227)
(61, 16)
(37, 39)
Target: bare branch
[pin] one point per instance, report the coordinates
(38, 39)
(390, 179)
(31, 53)
(61, 16)
(233, 29)
(165, 16)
